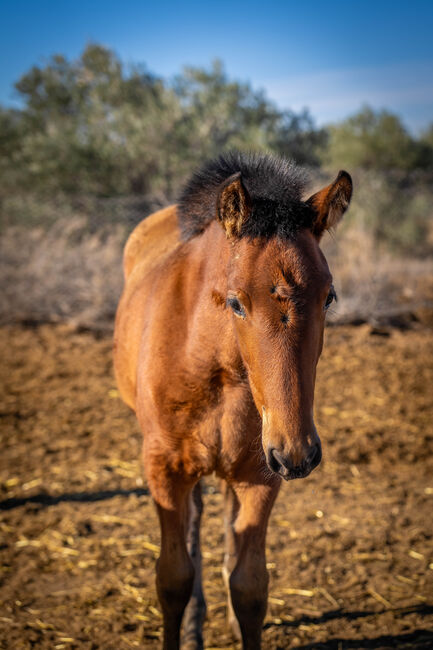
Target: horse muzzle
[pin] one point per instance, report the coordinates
(282, 463)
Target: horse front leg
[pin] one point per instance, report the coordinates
(174, 569)
(231, 510)
(192, 638)
(249, 578)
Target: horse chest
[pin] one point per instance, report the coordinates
(199, 434)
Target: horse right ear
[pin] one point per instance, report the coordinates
(330, 204)
(233, 205)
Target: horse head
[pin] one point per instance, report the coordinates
(279, 289)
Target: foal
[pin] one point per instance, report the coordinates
(218, 334)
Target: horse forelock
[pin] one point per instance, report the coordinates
(274, 184)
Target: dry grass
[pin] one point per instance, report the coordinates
(372, 284)
(66, 273)
(61, 274)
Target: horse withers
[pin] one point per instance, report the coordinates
(218, 334)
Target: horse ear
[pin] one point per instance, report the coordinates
(233, 205)
(331, 203)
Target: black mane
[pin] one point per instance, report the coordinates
(275, 186)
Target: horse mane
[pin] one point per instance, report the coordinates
(275, 186)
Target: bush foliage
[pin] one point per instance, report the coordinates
(96, 128)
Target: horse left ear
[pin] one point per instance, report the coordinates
(330, 204)
(233, 205)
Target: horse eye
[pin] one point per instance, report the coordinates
(236, 306)
(331, 296)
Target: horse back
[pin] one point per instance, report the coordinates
(151, 239)
(149, 245)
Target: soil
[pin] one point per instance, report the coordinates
(350, 551)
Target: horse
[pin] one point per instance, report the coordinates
(217, 337)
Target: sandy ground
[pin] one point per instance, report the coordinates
(350, 551)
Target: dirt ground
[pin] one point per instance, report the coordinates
(350, 551)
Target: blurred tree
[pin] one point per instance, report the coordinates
(374, 140)
(94, 128)
(427, 136)
(90, 126)
(426, 147)
(297, 137)
(222, 114)
(11, 135)
(78, 119)
(227, 114)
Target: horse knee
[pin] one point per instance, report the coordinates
(249, 594)
(174, 585)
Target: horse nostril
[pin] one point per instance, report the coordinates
(274, 460)
(315, 456)
(277, 463)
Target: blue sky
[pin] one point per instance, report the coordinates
(330, 56)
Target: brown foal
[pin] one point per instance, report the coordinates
(218, 334)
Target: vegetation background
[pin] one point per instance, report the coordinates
(97, 145)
